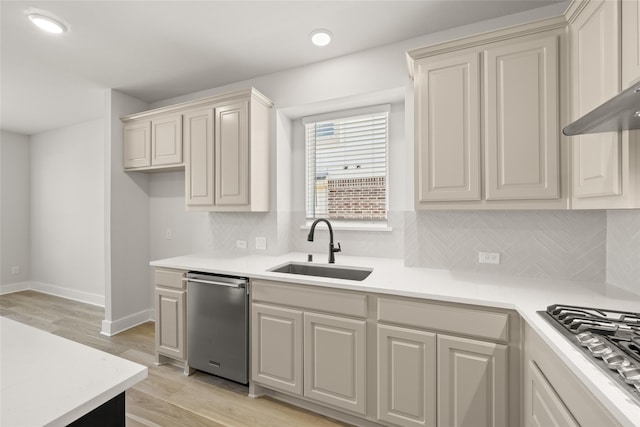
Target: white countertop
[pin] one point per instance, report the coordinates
(47, 380)
(525, 295)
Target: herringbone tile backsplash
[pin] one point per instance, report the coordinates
(547, 244)
(623, 249)
(580, 245)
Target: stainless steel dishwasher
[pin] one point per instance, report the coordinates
(217, 325)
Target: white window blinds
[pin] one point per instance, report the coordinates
(346, 167)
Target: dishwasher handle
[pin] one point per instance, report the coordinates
(213, 282)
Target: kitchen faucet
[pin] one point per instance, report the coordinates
(332, 249)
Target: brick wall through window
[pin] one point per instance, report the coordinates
(357, 198)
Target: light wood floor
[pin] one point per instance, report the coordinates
(166, 397)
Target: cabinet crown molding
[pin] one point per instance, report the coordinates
(520, 30)
(202, 102)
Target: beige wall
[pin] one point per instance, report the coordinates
(14, 210)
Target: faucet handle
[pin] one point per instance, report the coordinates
(338, 249)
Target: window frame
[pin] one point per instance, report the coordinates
(351, 224)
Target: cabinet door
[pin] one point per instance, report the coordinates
(276, 347)
(630, 42)
(170, 323)
(447, 103)
(472, 383)
(543, 407)
(166, 140)
(137, 144)
(232, 154)
(521, 120)
(596, 78)
(198, 141)
(335, 361)
(406, 376)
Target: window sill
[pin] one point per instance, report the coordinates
(350, 227)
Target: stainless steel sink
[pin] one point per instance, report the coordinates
(333, 272)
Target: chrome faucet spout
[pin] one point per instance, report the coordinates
(332, 248)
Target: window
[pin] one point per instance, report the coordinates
(346, 166)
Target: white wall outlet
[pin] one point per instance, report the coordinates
(489, 257)
(15, 269)
(241, 244)
(168, 234)
(261, 243)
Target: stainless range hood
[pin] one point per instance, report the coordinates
(621, 112)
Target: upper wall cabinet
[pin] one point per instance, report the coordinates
(487, 120)
(604, 165)
(226, 149)
(153, 144)
(630, 42)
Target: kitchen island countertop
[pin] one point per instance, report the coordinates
(47, 380)
(525, 295)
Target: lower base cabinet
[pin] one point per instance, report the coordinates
(546, 407)
(386, 361)
(276, 347)
(406, 376)
(472, 383)
(553, 395)
(171, 323)
(335, 361)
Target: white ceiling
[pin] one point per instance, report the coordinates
(155, 50)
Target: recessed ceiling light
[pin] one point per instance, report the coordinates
(321, 37)
(47, 23)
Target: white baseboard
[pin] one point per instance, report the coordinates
(86, 297)
(113, 327)
(10, 288)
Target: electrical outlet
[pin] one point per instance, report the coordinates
(241, 244)
(489, 257)
(168, 234)
(15, 269)
(261, 243)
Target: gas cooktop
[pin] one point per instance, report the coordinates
(611, 338)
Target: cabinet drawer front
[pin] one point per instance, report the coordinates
(307, 297)
(466, 321)
(169, 278)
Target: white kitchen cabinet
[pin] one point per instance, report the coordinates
(630, 42)
(170, 310)
(227, 148)
(137, 144)
(488, 137)
(232, 154)
(605, 165)
(521, 129)
(406, 376)
(225, 140)
(472, 383)
(595, 46)
(474, 351)
(553, 395)
(276, 356)
(198, 152)
(545, 406)
(153, 144)
(310, 342)
(447, 91)
(166, 140)
(335, 361)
